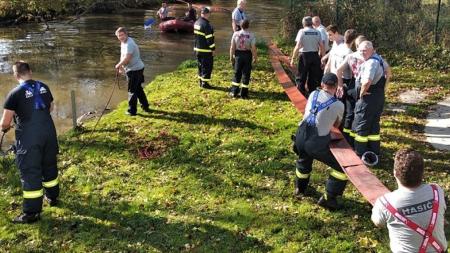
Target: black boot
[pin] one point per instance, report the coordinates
(25, 218)
(244, 93)
(300, 186)
(234, 91)
(206, 85)
(52, 202)
(329, 202)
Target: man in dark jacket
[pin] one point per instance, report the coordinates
(30, 103)
(204, 48)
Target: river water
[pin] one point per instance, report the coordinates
(81, 56)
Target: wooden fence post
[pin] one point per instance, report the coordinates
(74, 110)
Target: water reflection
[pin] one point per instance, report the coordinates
(81, 56)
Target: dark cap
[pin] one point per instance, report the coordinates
(329, 79)
(205, 10)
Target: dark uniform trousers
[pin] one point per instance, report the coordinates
(135, 90)
(349, 99)
(242, 72)
(366, 125)
(36, 150)
(205, 62)
(311, 146)
(309, 72)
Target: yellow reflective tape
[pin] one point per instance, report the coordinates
(352, 134)
(360, 138)
(199, 77)
(244, 85)
(209, 36)
(301, 175)
(202, 50)
(346, 130)
(199, 33)
(197, 27)
(33, 194)
(51, 183)
(213, 45)
(205, 79)
(235, 84)
(338, 175)
(375, 137)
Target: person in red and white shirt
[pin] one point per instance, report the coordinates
(414, 211)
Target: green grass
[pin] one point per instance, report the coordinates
(223, 182)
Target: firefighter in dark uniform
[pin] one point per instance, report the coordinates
(309, 43)
(322, 112)
(204, 47)
(242, 55)
(30, 103)
(370, 85)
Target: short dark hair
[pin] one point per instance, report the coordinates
(21, 68)
(245, 24)
(330, 79)
(408, 167)
(350, 36)
(332, 28)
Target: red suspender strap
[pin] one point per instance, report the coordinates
(428, 233)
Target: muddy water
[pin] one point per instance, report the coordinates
(81, 56)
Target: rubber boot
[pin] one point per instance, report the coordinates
(244, 93)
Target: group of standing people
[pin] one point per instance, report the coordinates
(351, 98)
(243, 53)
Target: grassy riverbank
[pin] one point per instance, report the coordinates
(221, 180)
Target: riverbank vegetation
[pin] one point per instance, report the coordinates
(218, 177)
(404, 32)
(15, 12)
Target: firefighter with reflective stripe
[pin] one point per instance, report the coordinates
(242, 55)
(30, 103)
(415, 212)
(370, 86)
(309, 44)
(204, 47)
(346, 88)
(322, 112)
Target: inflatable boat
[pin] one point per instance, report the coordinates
(177, 25)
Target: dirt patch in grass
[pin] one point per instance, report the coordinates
(157, 146)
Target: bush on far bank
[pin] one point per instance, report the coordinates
(397, 29)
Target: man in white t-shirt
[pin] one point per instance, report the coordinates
(413, 202)
(317, 24)
(132, 66)
(337, 39)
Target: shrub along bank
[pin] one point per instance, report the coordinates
(221, 180)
